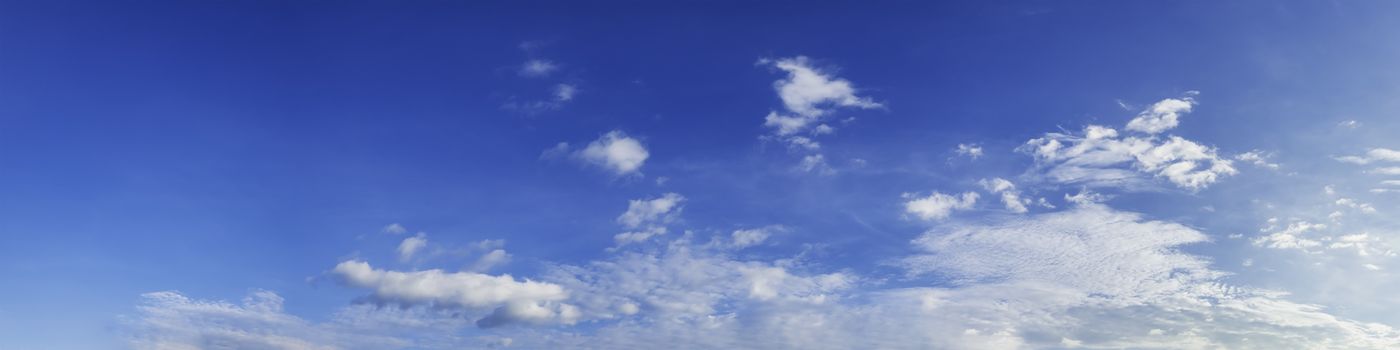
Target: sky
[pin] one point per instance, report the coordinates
(699, 175)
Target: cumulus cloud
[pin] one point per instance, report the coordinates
(809, 96)
(1099, 157)
(938, 206)
(486, 262)
(659, 210)
(412, 245)
(810, 92)
(1089, 276)
(1009, 196)
(616, 152)
(1162, 116)
(1373, 155)
(524, 301)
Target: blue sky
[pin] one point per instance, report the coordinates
(431, 174)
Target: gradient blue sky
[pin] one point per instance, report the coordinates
(162, 159)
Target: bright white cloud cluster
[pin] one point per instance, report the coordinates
(1100, 157)
(938, 206)
(525, 301)
(1162, 116)
(1010, 197)
(809, 96)
(648, 218)
(616, 152)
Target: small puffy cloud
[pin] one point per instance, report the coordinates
(971, 151)
(810, 92)
(1349, 124)
(411, 246)
(564, 92)
(537, 68)
(1374, 155)
(750, 237)
(394, 229)
(1009, 196)
(1258, 158)
(1161, 116)
(527, 301)
(616, 152)
(938, 206)
(492, 259)
(659, 210)
(648, 217)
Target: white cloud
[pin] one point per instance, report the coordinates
(412, 245)
(1291, 237)
(815, 163)
(809, 92)
(1386, 171)
(750, 237)
(564, 92)
(492, 259)
(394, 229)
(1009, 196)
(537, 68)
(1258, 158)
(1100, 158)
(638, 236)
(1091, 249)
(971, 151)
(1349, 124)
(169, 320)
(524, 301)
(659, 210)
(938, 206)
(1373, 155)
(1090, 276)
(1161, 116)
(616, 152)
(809, 96)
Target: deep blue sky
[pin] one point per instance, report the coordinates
(218, 147)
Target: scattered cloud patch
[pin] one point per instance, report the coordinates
(1100, 157)
(1258, 158)
(1374, 155)
(537, 68)
(938, 206)
(1162, 116)
(394, 229)
(412, 245)
(971, 151)
(616, 152)
(1010, 197)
